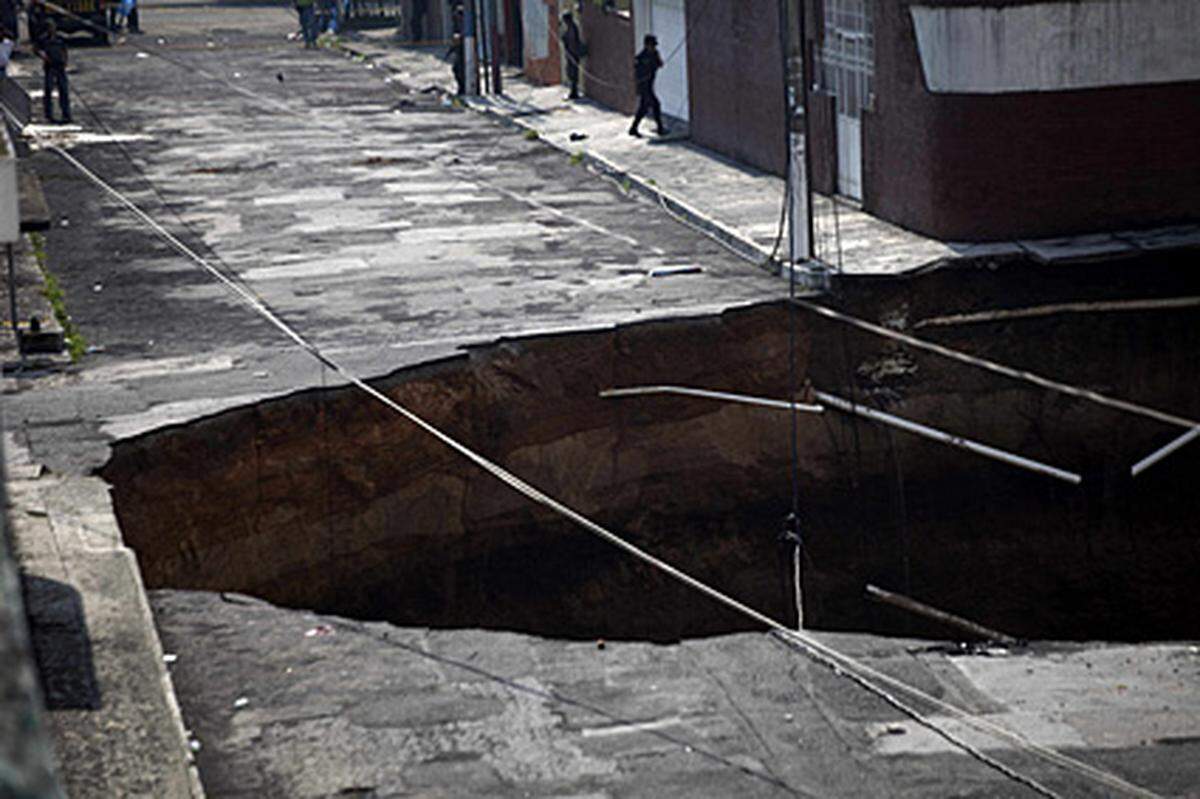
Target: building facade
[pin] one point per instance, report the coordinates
(958, 119)
(1015, 119)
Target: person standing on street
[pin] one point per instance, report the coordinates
(6, 48)
(53, 52)
(306, 10)
(8, 17)
(645, 66)
(458, 62)
(575, 50)
(36, 22)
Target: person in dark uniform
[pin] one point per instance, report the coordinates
(53, 52)
(575, 50)
(35, 21)
(458, 62)
(645, 66)
(8, 17)
(419, 9)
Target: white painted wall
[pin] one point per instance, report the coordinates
(1057, 46)
(535, 22)
(667, 20)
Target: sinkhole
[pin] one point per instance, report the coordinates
(327, 500)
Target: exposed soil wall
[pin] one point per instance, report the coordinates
(328, 500)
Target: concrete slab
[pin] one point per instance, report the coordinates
(286, 703)
(509, 715)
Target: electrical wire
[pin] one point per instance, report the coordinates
(811, 646)
(559, 698)
(913, 714)
(998, 368)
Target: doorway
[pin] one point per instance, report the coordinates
(667, 20)
(847, 71)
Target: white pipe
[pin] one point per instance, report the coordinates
(713, 395)
(949, 439)
(1156, 456)
(869, 413)
(998, 368)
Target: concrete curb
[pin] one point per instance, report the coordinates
(72, 536)
(736, 242)
(693, 217)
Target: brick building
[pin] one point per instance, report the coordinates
(1015, 118)
(959, 119)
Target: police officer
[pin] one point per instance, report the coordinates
(575, 49)
(645, 66)
(53, 52)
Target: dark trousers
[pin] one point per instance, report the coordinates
(308, 24)
(573, 74)
(55, 77)
(648, 104)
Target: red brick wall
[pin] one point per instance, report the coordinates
(609, 64)
(989, 167)
(735, 80)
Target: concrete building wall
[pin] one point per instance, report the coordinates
(609, 63)
(1054, 46)
(735, 78)
(1029, 163)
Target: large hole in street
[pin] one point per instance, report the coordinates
(328, 500)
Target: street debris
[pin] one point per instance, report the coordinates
(169, 657)
(240, 702)
(668, 271)
(319, 631)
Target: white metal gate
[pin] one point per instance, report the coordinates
(666, 19)
(847, 70)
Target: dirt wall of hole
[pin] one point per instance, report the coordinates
(327, 500)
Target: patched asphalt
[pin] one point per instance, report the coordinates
(391, 234)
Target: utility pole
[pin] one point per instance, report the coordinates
(470, 56)
(793, 43)
(493, 45)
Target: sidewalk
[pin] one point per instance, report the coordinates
(109, 712)
(738, 204)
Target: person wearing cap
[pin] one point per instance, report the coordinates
(645, 66)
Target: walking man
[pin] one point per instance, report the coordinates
(53, 52)
(575, 49)
(645, 66)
